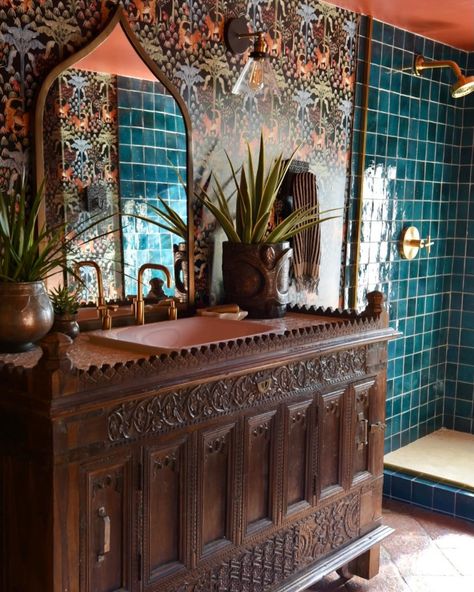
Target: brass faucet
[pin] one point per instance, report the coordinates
(140, 303)
(107, 317)
(101, 307)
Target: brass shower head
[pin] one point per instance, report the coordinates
(463, 85)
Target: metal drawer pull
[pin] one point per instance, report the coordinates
(365, 426)
(264, 386)
(105, 539)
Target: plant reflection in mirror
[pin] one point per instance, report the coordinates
(173, 222)
(30, 252)
(256, 192)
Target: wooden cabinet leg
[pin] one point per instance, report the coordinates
(366, 565)
(344, 572)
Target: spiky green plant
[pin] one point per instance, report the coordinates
(30, 253)
(256, 192)
(174, 222)
(64, 300)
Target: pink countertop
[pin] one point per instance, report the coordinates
(85, 354)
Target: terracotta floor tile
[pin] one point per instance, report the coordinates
(454, 540)
(440, 584)
(462, 559)
(428, 552)
(388, 579)
(400, 544)
(405, 523)
(439, 527)
(331, 583)
(414, 555)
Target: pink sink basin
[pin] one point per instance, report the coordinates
(90, 313)
(169, 336)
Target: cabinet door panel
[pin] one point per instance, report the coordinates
(216, 469)
(297, 479)
(163, 510)
(331, 442)
(259, 471)
(366, 426)
(108, 528)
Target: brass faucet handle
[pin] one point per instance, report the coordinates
(106, 317)
(166, 302)
(172, 311)
(107, 321)
(410, 243)
(428, 243)
(170, 303)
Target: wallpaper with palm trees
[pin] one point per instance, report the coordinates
(81, 167)
(313, 53)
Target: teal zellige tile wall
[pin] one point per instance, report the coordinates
(459, 400)
(411, 177)
(152, 161)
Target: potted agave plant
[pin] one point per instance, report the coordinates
(28, 255)
(256, 256)
(65, 306)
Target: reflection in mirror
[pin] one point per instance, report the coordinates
(114, 138)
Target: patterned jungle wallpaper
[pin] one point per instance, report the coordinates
(81, 149)
(313, 45)
(98, 133)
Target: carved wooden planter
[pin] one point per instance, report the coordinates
(256, 277)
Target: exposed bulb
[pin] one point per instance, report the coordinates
(255, 78)
(251, 78)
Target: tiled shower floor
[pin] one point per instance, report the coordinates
(435, 472)
(444, 455)
(427, 552)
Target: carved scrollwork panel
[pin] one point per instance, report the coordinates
(189, 405)
(328, 529)
(113, 480)
(268, 563)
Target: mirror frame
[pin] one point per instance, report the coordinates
(118, 18)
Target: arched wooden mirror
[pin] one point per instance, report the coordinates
(112, 133)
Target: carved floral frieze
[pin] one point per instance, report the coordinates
(189, 405)
(268, 563)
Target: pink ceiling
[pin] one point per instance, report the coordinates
(116, 55)
(448, 21)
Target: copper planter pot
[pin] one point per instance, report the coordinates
(26, 315)
(67, 324)
(257, 277)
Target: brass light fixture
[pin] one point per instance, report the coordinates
(463, 85)
(258, 73)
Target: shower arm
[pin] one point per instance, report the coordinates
(421, 64)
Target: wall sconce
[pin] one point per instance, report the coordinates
(463, 85)
(258, 73)
(410, 243)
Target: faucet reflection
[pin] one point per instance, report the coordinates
(140, 303)
(101, 307)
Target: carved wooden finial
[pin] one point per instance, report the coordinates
(54, 375)
(375, 307)
(55, 348)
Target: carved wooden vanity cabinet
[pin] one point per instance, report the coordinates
(253, 466)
